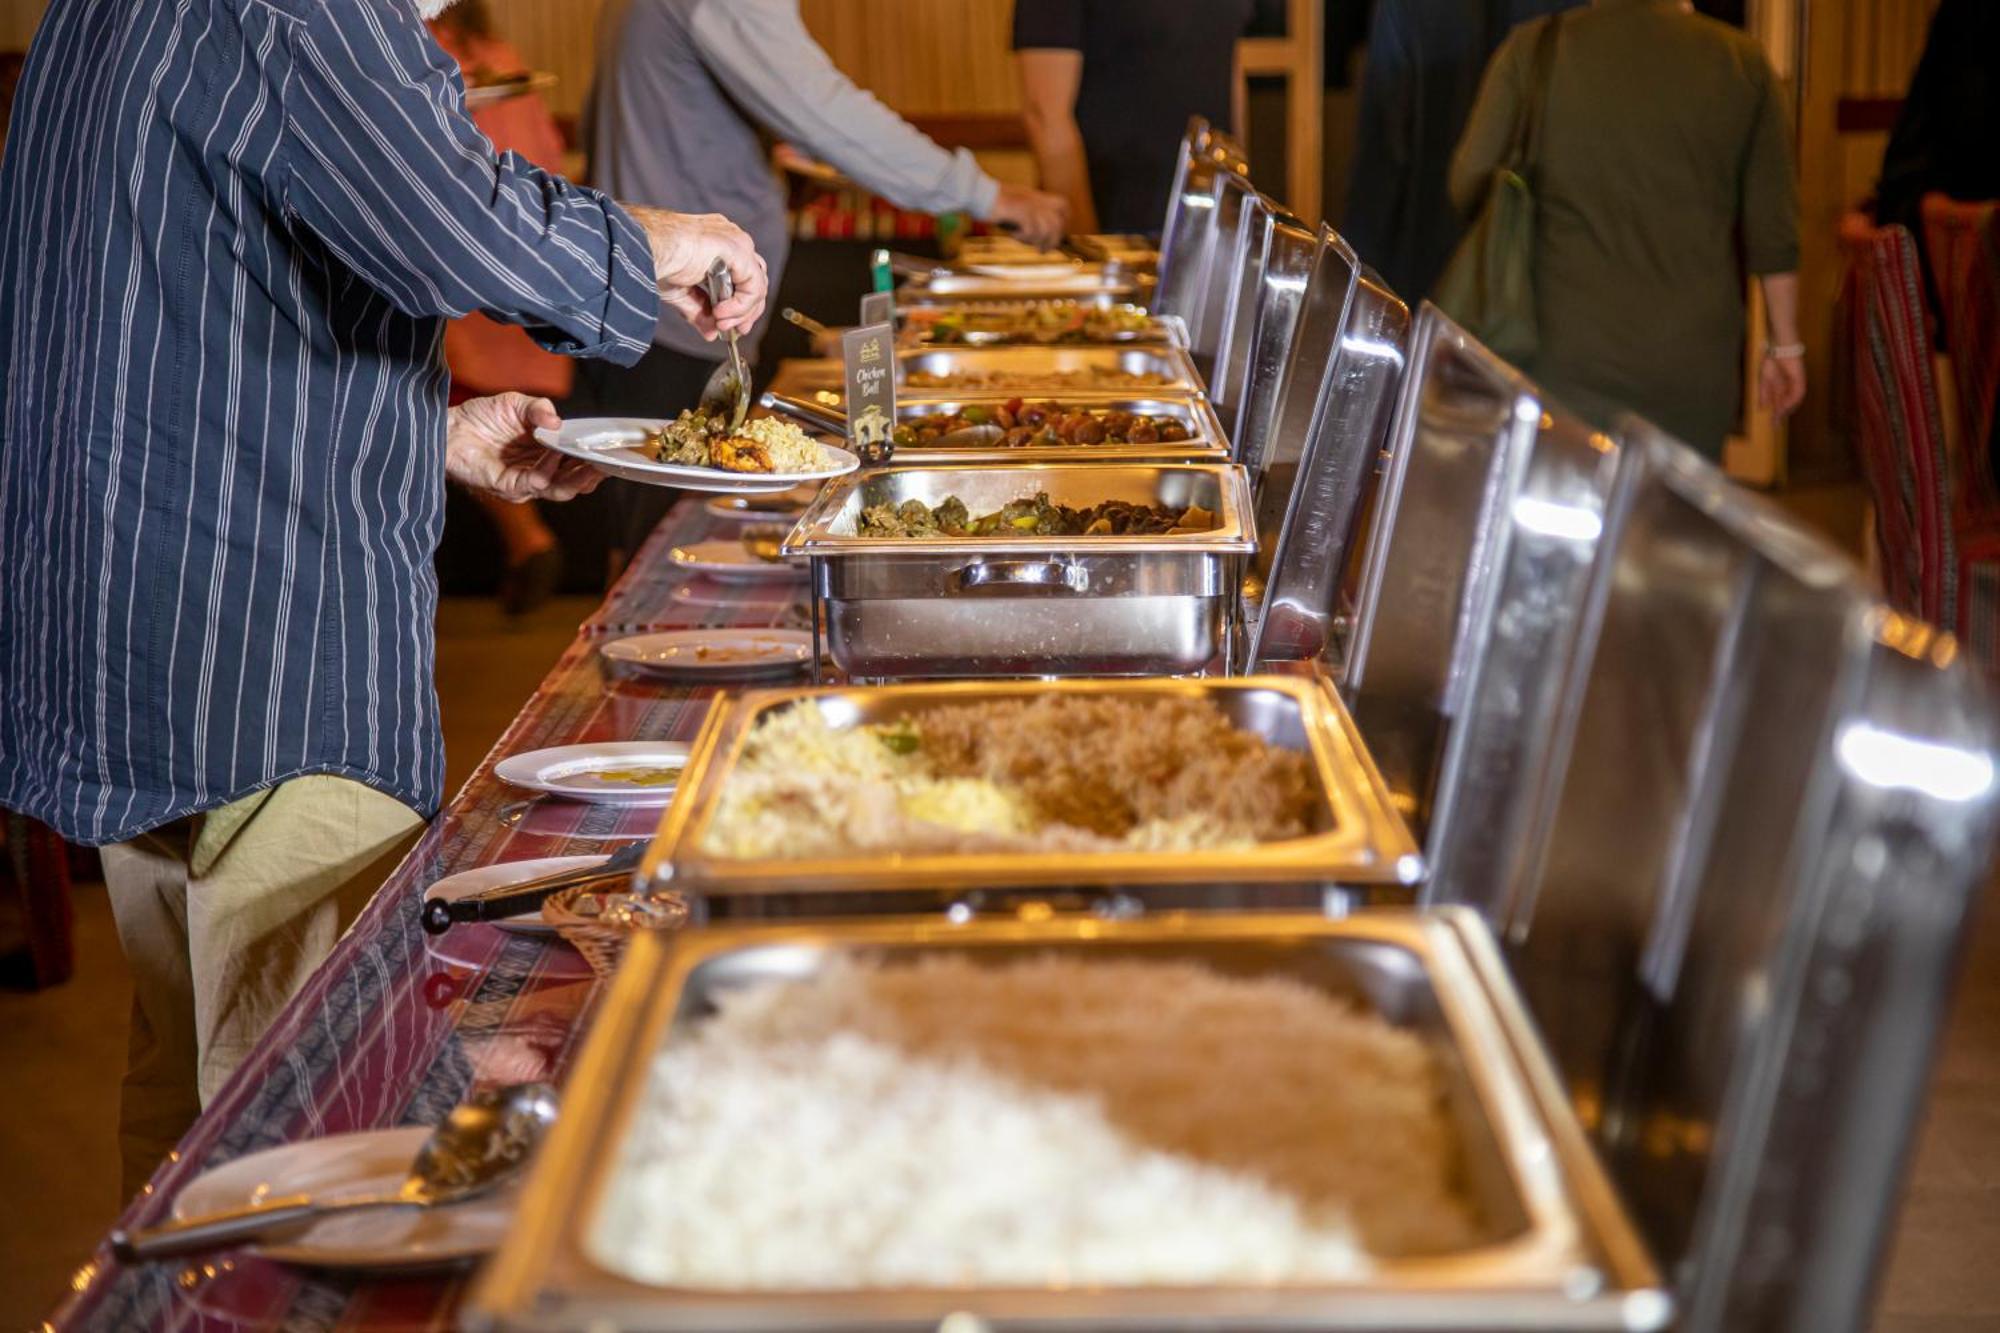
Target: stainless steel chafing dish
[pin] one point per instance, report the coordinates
(1170, 363)
(1358, 840)
(1087, 282)
(1557, 1251)
(822, 379)
(897, 607)
(1011, 323)
(1205, 442)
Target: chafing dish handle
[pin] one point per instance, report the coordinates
(1052, 576)
(816, 415)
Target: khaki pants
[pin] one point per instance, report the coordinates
(223, 916)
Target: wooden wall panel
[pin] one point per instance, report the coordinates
(923, 57)
(559, 36)
(18, 19)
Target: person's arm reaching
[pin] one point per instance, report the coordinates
(1050, 78)
(384, 169)
(762, 54)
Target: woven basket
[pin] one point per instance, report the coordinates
(598, 924)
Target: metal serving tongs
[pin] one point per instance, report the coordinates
(821, 417)
(728, 389)
(510, 900)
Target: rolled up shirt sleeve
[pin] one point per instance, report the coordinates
(387, 171)
(760, 51)
(1770, 190)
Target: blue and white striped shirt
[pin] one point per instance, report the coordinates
(230, 233)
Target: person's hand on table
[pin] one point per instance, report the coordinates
(1039, 219)
(489, 445)
(685, 245)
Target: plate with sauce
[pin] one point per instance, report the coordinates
(602, 773)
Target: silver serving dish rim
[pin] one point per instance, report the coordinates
(1361, 841)
(813, 534)
(1580, 1264)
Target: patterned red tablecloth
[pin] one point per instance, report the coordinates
(398, 1026)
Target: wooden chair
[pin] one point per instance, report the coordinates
(1936, 524)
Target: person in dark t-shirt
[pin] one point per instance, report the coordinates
(1107, 87)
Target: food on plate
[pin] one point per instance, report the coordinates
(702, 439)
(1082, 377)
(1041, 322)
(1044, 1121)
(1022, 424)
(651, 776)
(1052, 773)
(1035, 517)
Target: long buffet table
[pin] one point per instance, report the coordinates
(398, 1025)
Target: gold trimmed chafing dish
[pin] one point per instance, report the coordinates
(1357, 838)
(1554, 1250)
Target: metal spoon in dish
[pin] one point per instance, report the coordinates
(728, 389)
(484, 1141)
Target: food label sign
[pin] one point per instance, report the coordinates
(870, 353)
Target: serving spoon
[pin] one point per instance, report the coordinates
(485, 1140)
(728, 389)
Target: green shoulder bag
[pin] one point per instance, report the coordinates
(1489, 285)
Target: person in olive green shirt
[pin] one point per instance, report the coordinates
(1664, 173)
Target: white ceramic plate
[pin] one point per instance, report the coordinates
(715, 654)
(352, 1164)
(607, 444)
(577, 772)
(729, 560)
(468, 882)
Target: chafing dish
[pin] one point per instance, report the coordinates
(1187, 237)
(1025, 605)
(1205, 442)
(1170, 363)
(1556, 1253)
(1087, 282)
(1358, 839)
(1274, 263)
(1485, 523)
(1314, 449)
(1056, 323)
(1120, 248)
(803, 378)
(1736, 889)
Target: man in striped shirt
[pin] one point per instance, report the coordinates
(230, 234)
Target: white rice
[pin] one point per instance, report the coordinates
(1052, 1121)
